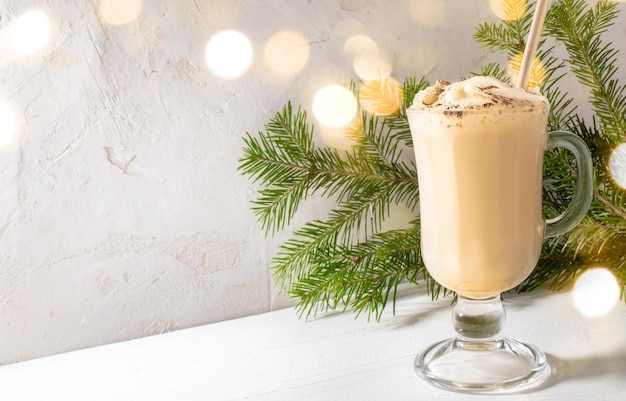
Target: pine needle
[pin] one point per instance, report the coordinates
(347, 262)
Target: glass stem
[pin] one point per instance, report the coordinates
(478, 323)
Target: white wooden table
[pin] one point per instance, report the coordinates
(276, 356)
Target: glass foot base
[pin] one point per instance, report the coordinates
(500, 366)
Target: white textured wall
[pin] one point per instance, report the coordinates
(121, 211)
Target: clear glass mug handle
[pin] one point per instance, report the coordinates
(583, 192)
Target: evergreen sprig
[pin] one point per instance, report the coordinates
(347, 261)
(342, 260)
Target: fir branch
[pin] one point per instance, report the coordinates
(410, 88)
(494, 70)
(363, 277)
(346, 262)
(365, 182)
(399, 124)
(352, 219)
(284, 161)
(592, 61)
(506, 36)
(384, 96)
(280, 162)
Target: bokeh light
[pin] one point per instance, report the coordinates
(595, 292)
(342, 138)
(30, 32)
(508, 10)
(228, 54)
(617, 165)
(537, 70)
(428, 13)
(381, 97)
(368, 60)
(356, 45)
(373, 65)
(334, 106)
(8, 125)
(287, 52)
(120, 12)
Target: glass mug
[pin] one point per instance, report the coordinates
(480, 182)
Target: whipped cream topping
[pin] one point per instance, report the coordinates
(474, 93)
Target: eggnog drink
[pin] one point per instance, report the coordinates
(479, 148)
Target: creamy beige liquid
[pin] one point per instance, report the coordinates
(480, 173)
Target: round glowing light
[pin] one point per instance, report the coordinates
(30, 32)
(427, 13)
(537, 70)
(342, 138)
(287, 52)
(120, 12)
(596, 292)
(508, 10)
(334, 106)
(8, 125)
(228, 54)
(356, 45)
(373, 65)
(617, 165)
(381, 97)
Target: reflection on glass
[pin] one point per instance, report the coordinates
(228, 54)
(617, 165)
(596, 292)
(287, 52)
(334, 106)
(119, 12)
(30, 32)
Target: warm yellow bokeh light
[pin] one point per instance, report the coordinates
(287, 52)
(337, 138)
(356, 45)
(595, 292)
(429, 13)
(119, 12)
(343, 138)
(228, 54)
(381, 97)
(373, 65)
(508, 10)
(8, 125)
(537, 70)
(334, 106)
(30, 32)
(617, 165)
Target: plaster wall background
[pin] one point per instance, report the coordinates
(121, 211)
